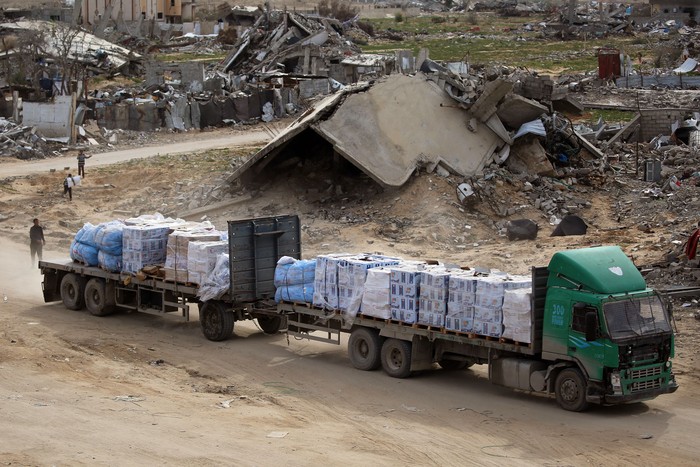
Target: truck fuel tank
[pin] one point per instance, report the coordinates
(518, 373)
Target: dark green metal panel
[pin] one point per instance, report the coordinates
(603, 270)
(255, 245)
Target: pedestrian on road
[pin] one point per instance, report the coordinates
(81, 163)
(68, 184)
(36, 240)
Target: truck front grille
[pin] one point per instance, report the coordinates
(645, 385)
(645, 373)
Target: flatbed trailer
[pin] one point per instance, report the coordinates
(597, 332)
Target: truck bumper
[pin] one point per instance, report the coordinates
(610, 399)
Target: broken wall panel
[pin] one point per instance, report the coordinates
(406, 122)
(144, 117)
(211, 113)
(52, 119)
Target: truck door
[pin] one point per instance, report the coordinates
(590, 353)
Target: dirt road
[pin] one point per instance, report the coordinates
(137, 389)
(14, 167)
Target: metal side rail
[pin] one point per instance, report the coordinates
(303, 320)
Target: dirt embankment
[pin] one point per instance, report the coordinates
(130, 388)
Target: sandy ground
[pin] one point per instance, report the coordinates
(134, 389)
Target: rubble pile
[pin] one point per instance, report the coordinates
(283, 41)
(22, 142)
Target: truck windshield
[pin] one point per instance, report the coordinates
(636, 317)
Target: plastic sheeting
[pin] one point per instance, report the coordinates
(295, 293)
(86, 235)
(294, 273)
(83, 253)
(109, 262)
(218, 281)
(294, 280)
(108, 237)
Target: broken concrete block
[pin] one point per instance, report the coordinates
(517, 110)
(527, 156)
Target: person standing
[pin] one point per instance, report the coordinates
(68, 184)
(36, 240)
(81, 163)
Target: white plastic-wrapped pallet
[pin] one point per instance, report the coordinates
(517, 306)
(178, 246)
(405, 280)
(433, 293)
(201, 259)
(352, 273)
(376, 299)
(326, 279)
(143, 245)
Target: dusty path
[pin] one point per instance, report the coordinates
(130, 389)
(198, 143)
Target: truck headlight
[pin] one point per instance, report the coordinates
(615, 382)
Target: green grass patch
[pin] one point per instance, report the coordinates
(499, 40)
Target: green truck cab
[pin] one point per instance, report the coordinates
(608, 334)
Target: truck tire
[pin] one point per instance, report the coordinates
(570, 389)
(73, 291)
(97, 300)
(270, 324)
(396, 358)
(216, 320)
(365, 349)
(453, 365)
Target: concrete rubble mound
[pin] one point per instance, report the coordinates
(283, 41)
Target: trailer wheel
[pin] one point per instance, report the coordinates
(365, 349)
(72, 291)
(570, 389)
(454, 365)
(270, 324)
(97, 300)
(396, 358)
(216, 320)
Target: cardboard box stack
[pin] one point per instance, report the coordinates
(201, 259)
(460, 301)
(517, 304)
(326, 280)
(177, 251)
(376, 299)
(352, 273)
(433, 293)
(488, 306)
(405, 280)
(143, 245)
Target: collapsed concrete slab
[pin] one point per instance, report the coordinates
(390, 129)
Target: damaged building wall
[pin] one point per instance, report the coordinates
(185, 114)
(407, 121)
(52, 119)
(657, 122)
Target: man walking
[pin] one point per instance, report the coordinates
(68, 184)
(36, 240)
(81, 163)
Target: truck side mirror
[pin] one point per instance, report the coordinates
(591, 325)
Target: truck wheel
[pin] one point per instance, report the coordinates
(365, 349)
(216, 320)
(570, 389)
(396, 358)
(72, 291)
(270, 324)
(453, 365)
(97, 300)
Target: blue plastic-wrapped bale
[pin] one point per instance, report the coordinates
(83, 253)
(295, 293)
(298, 272)
(108, 262)
(86, 235)
(108, 237)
